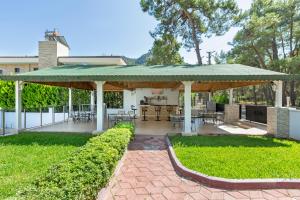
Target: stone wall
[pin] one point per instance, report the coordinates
(283, 123)
(49, 51)
(278, 122)
(271, 120)
(232, 113)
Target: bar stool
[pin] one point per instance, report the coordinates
(169, 110)
(144, 110)
(134, 110)
(157, 111)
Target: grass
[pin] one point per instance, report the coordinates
(239, 156)
(23, 157)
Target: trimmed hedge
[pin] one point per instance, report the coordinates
(84, 173)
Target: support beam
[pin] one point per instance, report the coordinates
(18, 105)
(100, 111)
(278, 94)
(231, 96)
(187, 107)
(70, 102)
(92, 101)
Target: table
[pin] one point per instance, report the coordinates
(214, 116)
(119, 118)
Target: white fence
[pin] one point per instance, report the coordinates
(32, 119)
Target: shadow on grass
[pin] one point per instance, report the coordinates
(228, 141)
(46, 139)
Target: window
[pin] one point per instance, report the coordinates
(35, 69)
(17, 70)
(1, 71)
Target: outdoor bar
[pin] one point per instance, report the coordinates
(153, 91)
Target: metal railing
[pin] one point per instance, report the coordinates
(32, 118)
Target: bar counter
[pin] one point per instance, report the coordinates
(164, 114)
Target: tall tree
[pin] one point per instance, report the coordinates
(270, 39)
(192, 20)
(165, 51)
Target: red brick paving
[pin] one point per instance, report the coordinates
(147, 173)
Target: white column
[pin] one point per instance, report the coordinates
(187, 107)
(231, 96)
(210, 96)
(278, 94)
(100, 105)
(70, 102)
(92, 101)
(18, 105)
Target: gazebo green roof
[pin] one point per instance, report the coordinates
(155, 73)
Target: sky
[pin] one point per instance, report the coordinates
(91, 27)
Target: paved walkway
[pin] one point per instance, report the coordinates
(147, 173)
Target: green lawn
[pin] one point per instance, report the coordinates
(23, 157)
(239, 156)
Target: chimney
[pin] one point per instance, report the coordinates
(51, 48)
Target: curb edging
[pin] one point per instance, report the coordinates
(231, 184)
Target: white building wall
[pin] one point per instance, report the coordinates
(294, 124)
(172, 95)
(129, 99)
(62, 50)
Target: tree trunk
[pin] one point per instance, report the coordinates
(275, 49)
(197, 44)
(282, 44)
(271, 94)
(260, 57)
(254, 95)
(292, 93)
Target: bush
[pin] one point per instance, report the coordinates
(221, 98)
(85, 172)
(127, 125)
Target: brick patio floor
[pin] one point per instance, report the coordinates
(147, 173)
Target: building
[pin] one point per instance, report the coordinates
(53, 51)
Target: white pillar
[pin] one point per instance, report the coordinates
(18, 105)
(210, 96)
(187, 107)
(70, 102)
(278, 94)
(100, 105)
(231, 96)
(92, 101)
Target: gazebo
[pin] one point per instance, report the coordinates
(187, 78)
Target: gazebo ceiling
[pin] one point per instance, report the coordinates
(206, 77)
(119, 86)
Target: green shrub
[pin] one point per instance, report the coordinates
(84, 173)
(128, 125)
(222, 98)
